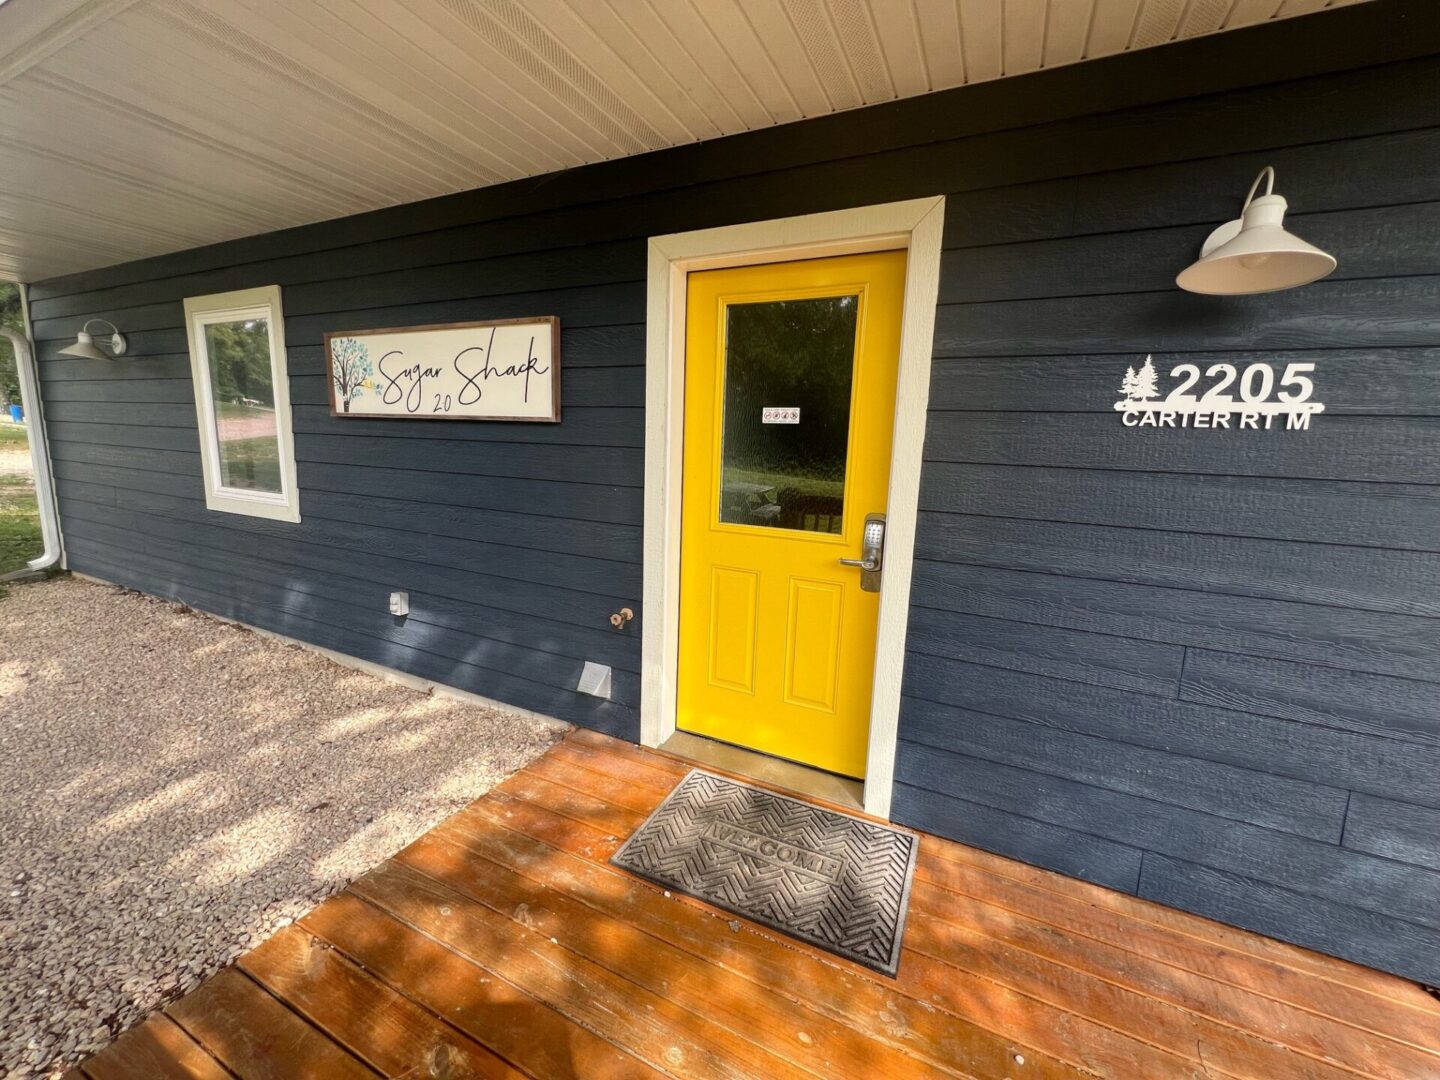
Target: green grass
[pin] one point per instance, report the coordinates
(251, 464)
(19, 524)
(805, 485)
(19, 511)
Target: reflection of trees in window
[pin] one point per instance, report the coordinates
(239, 355)
(791, 354)
(243, 390)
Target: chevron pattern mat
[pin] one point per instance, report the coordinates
(833, 880)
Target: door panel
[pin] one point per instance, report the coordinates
(732, 629)
(813, 643)
(789, 410)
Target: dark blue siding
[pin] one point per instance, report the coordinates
(1196, 665)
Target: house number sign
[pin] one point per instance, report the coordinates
(1253, 398)
(503, 370)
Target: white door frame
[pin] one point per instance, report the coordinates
(916, 225)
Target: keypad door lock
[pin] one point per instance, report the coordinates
(872, 553)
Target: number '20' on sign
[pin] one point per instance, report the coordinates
(1220, 396)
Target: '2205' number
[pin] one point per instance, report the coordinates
(1254, 385)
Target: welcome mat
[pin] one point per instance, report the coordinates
(833, 880)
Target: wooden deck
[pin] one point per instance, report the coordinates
(502, 944)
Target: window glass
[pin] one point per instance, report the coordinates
(242, 402)
(242, 389)
(789, 365)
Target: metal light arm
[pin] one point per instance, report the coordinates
(117, 339)
(1268, 175)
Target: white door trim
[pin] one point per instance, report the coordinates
(917, 225)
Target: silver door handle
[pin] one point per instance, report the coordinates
(872, 553)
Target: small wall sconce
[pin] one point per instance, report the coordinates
(86, 348)
(1254, 253)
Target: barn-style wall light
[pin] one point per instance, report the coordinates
(1254, 253)
(86, 348)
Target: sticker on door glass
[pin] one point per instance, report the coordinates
(779, 414)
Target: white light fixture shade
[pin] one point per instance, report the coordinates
(85, 346)
(1255, 253)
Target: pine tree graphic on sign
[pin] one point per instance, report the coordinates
(1128, 387)
(1147, 383)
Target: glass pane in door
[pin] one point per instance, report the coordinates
(789, 366)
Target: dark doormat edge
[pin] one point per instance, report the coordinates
(813, 866)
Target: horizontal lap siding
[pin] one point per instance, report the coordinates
(1199, 665)
(515, 542)
(1196, 665)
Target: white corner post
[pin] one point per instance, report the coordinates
(39, 442)
(915, 225)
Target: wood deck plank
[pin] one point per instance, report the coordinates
(635, 770)
(671, 765)
(995, 1005)
(156, 1050)
(1241, 943)
(391, 1033)
(650, 1026)
(490, 1009)
(256, 1037)
(605, 823)
(971, 955)
(778, 1023)
(880, 1007)
(504, 944)
(746, 949)
(1157, 940)
(1221, 983)
(1237, 943)
(638, 797)
(1106, 983)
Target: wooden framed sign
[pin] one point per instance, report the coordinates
(508, 369)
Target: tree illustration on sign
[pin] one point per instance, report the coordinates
(1129, 386)
(1147, 383)
(351, 369)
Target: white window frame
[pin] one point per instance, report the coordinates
(200, 311)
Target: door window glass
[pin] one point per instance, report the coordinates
(789, 365)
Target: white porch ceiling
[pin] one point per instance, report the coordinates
(129, 128)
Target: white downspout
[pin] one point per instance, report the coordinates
(39, 443)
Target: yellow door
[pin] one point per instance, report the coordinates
(789, 409)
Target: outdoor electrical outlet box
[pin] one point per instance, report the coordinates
(595, 680)
(399, 603)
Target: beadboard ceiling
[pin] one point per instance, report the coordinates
(130, 128)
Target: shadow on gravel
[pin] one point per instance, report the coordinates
(174, 789)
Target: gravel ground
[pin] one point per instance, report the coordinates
(173, 789)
